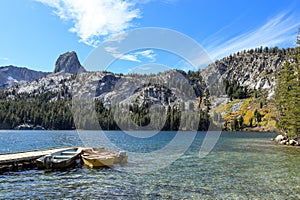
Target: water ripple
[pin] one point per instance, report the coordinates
(241, 166)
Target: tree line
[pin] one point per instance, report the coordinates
(53, 111)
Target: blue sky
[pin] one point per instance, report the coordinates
(35, 32)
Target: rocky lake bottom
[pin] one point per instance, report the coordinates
(244, 165)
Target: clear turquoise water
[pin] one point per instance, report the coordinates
(241, 166)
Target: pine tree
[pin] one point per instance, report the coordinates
(241, 122)
(283, 97)
(296, 89)
(288, 96)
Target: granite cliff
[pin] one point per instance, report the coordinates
(254, 68)
(68, 63)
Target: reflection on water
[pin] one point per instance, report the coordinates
(241, 166)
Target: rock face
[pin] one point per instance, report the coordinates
(254, 69)
(68, 63)
(11, 75)
(163, 89)
(106, 84)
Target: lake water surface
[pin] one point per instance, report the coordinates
(241, 166)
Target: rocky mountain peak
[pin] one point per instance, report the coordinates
(68, 63)
(254, 69)
(11, 75)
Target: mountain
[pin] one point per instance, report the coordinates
(247, 75)
(254, 68)
(130, 96)
(110, 87)
(248, 78)
(68, 63)
(11, 75)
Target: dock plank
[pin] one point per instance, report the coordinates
(23, 156)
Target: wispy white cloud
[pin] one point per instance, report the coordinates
(130, 57)
(94, 19)
(118, 37)
(149, 54)
(134, 57)
(116, 54)
(279, 30)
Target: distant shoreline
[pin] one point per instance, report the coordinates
(227, 131)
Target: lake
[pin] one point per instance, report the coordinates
(240, 166)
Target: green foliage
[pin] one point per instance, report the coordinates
(140, 114)
(288, 96)
(235, 125)
(51, 115)
(241, 122)
(235, 91)
(257, 116)
(52, 110)
(251, 122)
(56, 114)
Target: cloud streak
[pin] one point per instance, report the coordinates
(94, 19)
(149, 54)
(279, 30)
(134, 57)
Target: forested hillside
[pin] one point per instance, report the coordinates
(262, 96)
(48, 102)
(260, 92)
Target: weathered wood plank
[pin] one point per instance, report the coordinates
(30, 155)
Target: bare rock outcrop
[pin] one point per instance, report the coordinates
(68, 63)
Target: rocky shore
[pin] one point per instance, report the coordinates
(29, 127)
(284, 140)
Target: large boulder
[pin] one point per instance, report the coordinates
(297, 138)
(279, 138)
(293, 143)
(285, 142)
(68, 63)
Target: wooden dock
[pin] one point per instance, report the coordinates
(23, 160)
(27, 160)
